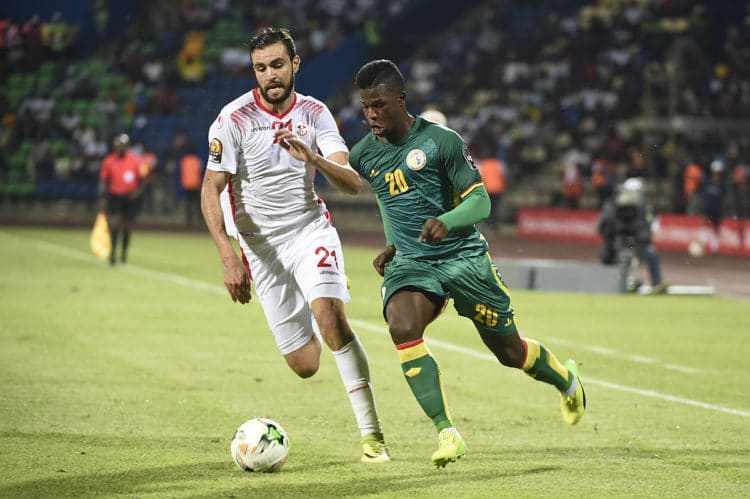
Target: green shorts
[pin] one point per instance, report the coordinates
(473, 282)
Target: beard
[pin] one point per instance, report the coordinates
(278, 100)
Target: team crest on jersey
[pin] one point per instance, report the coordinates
(416, 159)
(467, 156)
(215, 149)
(301, 129)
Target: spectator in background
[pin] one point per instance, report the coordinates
(149, 163)
(741, 188)
(119, 191)
(692, 181)
(191, 179)
(572, 186)
(164, 100)
(601, 180)
(58, 36)
(713, 205)
(492, 171)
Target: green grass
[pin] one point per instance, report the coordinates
(130, 381)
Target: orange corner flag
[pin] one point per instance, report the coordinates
(101, 244)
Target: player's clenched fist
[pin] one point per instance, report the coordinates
(433, 231)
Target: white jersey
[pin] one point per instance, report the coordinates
(271, 193)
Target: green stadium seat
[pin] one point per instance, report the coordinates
(47, 68)
(60, 147)
(96, 68)
(81, 107)
(25, 147)
(19, 189)
(15, 81)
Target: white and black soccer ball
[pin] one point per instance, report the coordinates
(695, 249)
(260, 445)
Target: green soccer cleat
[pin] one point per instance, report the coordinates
(450, 448)
(374, 449)
(574, 405)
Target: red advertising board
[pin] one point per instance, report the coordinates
(675, 232)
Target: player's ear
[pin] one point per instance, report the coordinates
(295, 63)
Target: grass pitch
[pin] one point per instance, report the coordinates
(130, 381)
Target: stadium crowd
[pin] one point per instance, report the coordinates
(554, 89)
(557, 87)
(63, 103)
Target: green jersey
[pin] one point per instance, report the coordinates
(423, 176)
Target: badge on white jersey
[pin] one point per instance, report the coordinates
(214, 150)
(302, 129)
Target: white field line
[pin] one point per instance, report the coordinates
(610, 352)
(588, 381)
(641, 359)
(187, 282)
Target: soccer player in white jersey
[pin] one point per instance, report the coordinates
(263, 147)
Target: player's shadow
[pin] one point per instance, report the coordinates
(166, 481)
(180, 480)
(222, 479)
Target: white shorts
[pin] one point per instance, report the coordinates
(290, 275)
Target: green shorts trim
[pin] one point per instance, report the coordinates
(473, 282)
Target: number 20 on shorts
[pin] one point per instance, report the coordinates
(485, 315)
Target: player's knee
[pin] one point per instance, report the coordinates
(404, 329)
(335, 331)
(329, 322)
(509, 350)
(510, 357)
(305, 361)
(304, 369)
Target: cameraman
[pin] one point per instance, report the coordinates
(627, 221)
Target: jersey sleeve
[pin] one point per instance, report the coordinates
(459, 165)
(222, 145)
(105, 172)
(354, 156)
(328, 139)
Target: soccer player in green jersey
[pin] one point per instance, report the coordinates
(431, 196)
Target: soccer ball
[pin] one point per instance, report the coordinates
(260, 445)
(695, 249)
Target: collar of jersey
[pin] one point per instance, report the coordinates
(256, 96)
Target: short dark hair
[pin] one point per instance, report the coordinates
(271, 35)
(380, 72)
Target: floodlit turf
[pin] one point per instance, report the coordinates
(130, 381)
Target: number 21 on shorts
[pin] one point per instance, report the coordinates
(328, 257)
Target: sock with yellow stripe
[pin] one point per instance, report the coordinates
(423, 376)
(542, 365)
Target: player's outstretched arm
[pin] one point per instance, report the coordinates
(335, 167)
(236, 277)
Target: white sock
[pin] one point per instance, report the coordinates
(355, 373)
(572, 388)
(453, 430)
